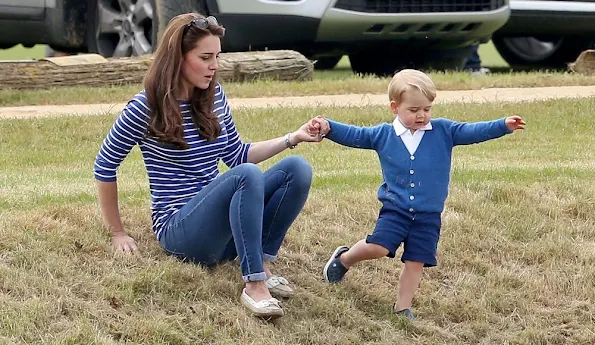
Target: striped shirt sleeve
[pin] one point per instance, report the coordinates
(236, 152)
(128, 129)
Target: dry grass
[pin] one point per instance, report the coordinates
(516, 258)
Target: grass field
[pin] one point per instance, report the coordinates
(516, 258)
(488, 53)
(21, 53)
(265, 88)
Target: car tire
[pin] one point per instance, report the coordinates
(133, 31)
(532, 52)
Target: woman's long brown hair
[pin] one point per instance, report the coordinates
(162, 84)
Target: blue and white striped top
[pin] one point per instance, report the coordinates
(175, 175)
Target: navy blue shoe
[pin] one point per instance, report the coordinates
(334, 270)
(406, 313)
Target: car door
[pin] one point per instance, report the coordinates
(22, 9)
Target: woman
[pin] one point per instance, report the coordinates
(183, 126)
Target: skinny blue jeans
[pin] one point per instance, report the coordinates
(243, 213)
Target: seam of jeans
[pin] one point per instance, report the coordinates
(286, 187)
(201, 201)
(163, 234)
(240, 194)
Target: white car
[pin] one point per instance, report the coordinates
(546, 34)
(378, 35)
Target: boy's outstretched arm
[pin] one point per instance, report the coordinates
(472, 133)
(347, 135)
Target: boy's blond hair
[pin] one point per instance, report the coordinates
(407, 79)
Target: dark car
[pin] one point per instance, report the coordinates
(546, 34)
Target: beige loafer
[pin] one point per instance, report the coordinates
(279, 287)
(268, 308)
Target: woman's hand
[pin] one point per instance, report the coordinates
(124, 243)
(312, 131)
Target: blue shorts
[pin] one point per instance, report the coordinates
(418, 231)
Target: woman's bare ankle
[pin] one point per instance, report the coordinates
(258, 291)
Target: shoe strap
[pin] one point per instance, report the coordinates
(275, 281)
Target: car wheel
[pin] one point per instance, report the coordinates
(533, 52)
(121, 28)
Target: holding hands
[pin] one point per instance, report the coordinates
(318, 127)
(312, 131)
(515, 122)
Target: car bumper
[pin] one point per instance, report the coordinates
(311, 25)
(409, 26)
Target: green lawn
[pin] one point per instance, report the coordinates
(320, 85)
(516, 258)
(488, 54)
(21, 53)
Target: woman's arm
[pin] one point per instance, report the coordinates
(264, 150)
(108, 202)
(126, 131)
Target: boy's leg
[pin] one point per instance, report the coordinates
(408, 283)
(361, 251)
(391, 229)
(420, 248)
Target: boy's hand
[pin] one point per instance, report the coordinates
(515, 122)
(321, 125)
(312, 130)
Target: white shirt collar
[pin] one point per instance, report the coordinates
(400, 129)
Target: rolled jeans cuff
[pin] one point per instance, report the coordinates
(255, 277)
(269, 257)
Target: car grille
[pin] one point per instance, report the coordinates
(419, 6)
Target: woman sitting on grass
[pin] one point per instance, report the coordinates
(184, 126)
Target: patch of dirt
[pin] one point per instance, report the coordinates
(462, 96)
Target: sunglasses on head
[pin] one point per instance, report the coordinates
(201, 23)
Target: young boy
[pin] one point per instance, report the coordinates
(415, 157)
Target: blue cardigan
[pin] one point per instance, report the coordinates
(418, 182)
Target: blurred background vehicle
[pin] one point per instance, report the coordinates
(546, 34)
(379, 36)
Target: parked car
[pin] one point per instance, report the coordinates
(546, 34)
(378, 35)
